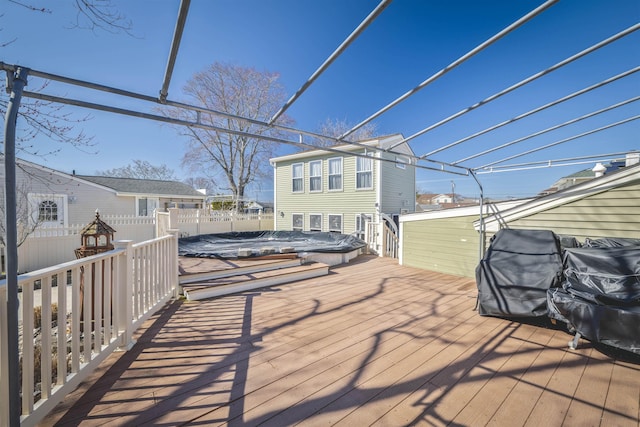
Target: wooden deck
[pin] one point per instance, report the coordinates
(373, 343)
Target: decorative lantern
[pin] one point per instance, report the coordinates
(97, 237)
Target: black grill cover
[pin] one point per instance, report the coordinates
(611, 325)
(604, 275)
(516, 272)
(611, 242)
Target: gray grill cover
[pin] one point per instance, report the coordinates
(600, 297)
(516, 272)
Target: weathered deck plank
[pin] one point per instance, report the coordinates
(372, 343)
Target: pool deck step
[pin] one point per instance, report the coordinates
(236, 270)
(240, 282)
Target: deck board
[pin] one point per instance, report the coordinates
(372, 343)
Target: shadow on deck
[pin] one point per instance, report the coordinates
(372, 343)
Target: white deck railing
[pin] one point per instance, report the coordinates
(73, 315)
(381, 239)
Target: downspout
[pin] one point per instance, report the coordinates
(15, 84)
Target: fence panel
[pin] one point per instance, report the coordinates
(52, 246)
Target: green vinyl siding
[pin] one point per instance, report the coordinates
(346, 202)
(614, 213)
(397, 187)
(446, 245)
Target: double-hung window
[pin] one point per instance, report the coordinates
(297, 177)
(335, 223)
(335, 173)
(315, 176)
(297, 222)
(364, 172)
(315, 222)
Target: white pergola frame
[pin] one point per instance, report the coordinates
(17, 79)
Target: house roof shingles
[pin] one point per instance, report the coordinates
(144, 186)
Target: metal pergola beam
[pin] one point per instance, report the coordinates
(521, 83)
(175, 46)
(453, 65)
(539, 109)
(562, 141)
(549, 129)
(567, 161)
(459, 170)
(364, 24)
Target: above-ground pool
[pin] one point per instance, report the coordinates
(259, 243)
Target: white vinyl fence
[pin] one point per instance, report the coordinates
(194, 222)
(73, 315)
(51, 246)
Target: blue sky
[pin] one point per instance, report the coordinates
(410, 41)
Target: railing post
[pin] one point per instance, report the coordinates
(173, 260)
(123, 294)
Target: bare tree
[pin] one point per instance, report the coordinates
(336, 127)
(28, 219)
(246, 92)
(50, 119)
(91, 15)
(202, 183)
(102, 14)
(141, 169)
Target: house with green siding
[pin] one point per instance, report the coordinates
(450, 240)
(607, 206)
(344, 189)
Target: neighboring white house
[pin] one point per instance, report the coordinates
(57, 199)
(321, 190)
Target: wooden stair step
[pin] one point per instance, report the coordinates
(236, 271)
(244, 282)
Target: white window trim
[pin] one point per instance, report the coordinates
(34, 199)
(157, 204)
(293, 165)
(371, 170)
(293, 227)
(341, 174)
(358, 217)
(341, 222)
(315, 176)
(402, 162)
(321, 221)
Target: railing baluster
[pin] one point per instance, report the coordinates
(61, 378)
(45, 337)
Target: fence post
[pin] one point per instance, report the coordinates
(173, 260)
(173, 219)
(123, 294)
